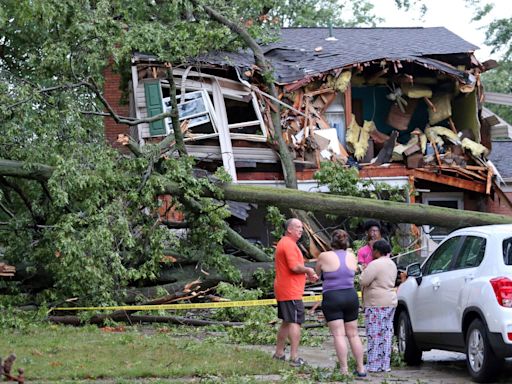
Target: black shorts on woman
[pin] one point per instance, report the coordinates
(340, 304)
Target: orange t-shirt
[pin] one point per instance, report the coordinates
(288, 285)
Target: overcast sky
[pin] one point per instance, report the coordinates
(451, 14)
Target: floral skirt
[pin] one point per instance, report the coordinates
(379, 334)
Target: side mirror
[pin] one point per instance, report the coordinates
(414, 270)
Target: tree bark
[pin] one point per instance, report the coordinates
(180, 144)
(25, 170)
(76, 320)
(395, 212)
(315, 202)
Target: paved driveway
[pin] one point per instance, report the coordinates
(438, 367)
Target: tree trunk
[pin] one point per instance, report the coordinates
(180, 144)
(420, 214)
(76, 320)
(21, 169)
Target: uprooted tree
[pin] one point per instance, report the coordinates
(80, 219)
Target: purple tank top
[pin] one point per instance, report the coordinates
(342, 278)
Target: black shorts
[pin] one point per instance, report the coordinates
(291, 311)
(340, 304)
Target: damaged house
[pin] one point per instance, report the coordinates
(401, 104)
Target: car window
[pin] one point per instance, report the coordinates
(507, 251)
(471, 253)
(442, 257)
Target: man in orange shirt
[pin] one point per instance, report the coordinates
(289, 289)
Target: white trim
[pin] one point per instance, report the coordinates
(312, 185)
(228, 160)
(135, 85)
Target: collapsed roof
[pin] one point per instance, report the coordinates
(306, 52)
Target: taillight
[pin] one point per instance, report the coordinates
(510, 336)
(503, 290)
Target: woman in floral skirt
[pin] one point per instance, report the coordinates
(380, 301)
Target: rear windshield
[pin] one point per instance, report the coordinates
(507, 251)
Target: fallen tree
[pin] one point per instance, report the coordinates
(195, 271)
(356, 206)
(312, 201)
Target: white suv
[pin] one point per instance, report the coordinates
(460, 299)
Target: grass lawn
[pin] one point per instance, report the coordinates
(68, 354)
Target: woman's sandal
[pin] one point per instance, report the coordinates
(360, 374)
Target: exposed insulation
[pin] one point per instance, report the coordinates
(416, 91)
(443, 131)
(475, 148)
(357, 137)
(341, 82)
(443, 108)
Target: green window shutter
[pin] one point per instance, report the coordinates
(153, 93)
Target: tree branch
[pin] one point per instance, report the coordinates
(259, 57)
(123, 120)
(180, 144)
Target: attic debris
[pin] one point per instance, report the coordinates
(402, 107)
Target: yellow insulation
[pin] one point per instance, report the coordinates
(357, 137)
(475, 148)
(340, 83)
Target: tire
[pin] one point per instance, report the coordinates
(406, 344)
(482, 363)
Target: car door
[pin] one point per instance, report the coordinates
(425, 311)
(452, 293)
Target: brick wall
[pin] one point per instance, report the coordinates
(499, 205)
(113, 94)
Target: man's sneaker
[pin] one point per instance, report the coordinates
(282, 357)
(298, 362)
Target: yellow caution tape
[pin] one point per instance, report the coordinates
(222, 304)
(159, 307)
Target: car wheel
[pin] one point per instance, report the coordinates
(406, 344)
(482, 363)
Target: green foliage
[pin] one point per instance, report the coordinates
(345, 181)
(94, 226)
(499, 80)
(340, 179)
(265, 279)
(276, 220)
(397, 360)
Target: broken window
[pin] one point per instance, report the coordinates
(196, 107)
(244, 118)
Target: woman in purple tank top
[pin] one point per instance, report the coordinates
(340, 303)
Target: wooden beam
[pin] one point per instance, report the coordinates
(489, 181)
(469, 185)
(391, 171)
(348, 104)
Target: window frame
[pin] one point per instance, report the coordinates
(208, 111)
